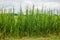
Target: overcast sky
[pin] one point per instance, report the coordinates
(37, 3)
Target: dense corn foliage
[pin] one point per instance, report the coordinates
(33, 23)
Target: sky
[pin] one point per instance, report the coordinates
(52, 4)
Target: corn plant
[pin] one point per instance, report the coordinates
(33, 23)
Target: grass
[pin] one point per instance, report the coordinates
(54, 37)
(33, 23)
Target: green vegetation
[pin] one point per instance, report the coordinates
(34, 23)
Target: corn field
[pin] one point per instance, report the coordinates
(33, 23)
